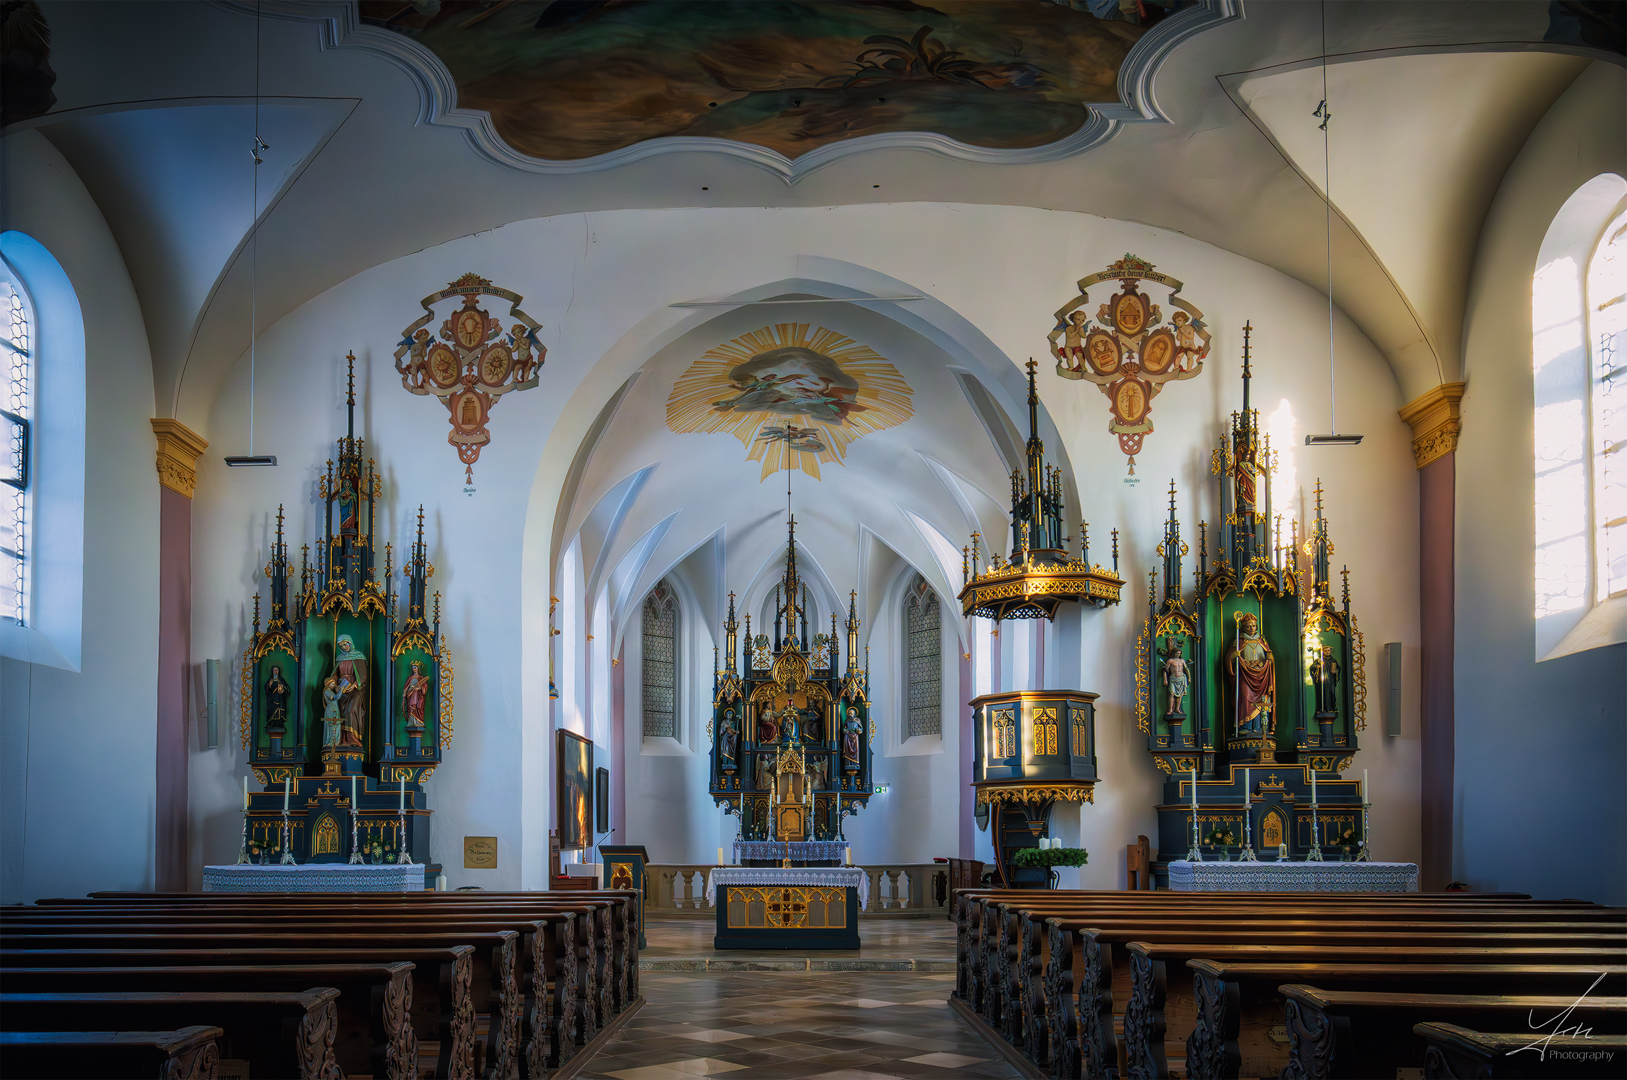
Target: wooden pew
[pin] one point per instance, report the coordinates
(374, 1034)
(1358, 1033)
(279, 1035)
(1238, 1002)
(187, 1054)
(440, 1006)
(494, 985)
(1457, 1051)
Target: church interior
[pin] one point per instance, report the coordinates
(1015, 538)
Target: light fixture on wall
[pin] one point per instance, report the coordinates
(251, 458)
(1325, 114)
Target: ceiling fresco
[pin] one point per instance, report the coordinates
(573, 79)
(794, 395)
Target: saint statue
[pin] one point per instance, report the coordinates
(1177, 681)
(851, 730)
(728, 741)
(768, 729)
(819, 772)
(350, 671)
(330, 711)
(413, 695)
(1325, 680)
(790, 725)
(763, 778)
(276, 701)
(1251, 677)
(813, 728)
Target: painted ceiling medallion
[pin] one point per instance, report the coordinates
(794, 395)
(1127, 353)
(591, 84)
(472, 364)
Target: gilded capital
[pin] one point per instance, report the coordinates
(178, 450)
(1435, 421)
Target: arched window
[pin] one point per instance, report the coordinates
(924, 666)
(1579, 422)
(16, 410)
(1607, 311)
(660, 673)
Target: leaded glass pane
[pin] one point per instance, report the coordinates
(661, 663)
(925, 665)
(16, 359)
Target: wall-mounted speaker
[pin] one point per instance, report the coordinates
(209, 714)
(1392, 668)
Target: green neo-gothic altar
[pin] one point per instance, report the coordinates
(1259, 668)
(342, 691)
(790, 727)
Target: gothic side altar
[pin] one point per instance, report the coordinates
(787, 907)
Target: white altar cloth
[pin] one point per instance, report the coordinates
(314, 878)
(828, 876)
(1274, 876)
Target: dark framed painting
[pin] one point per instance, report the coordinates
(574, 773)
(601, 800)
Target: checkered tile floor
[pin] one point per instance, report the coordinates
(786, 1026)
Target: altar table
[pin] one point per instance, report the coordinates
(315, 878)
(1275, 876)
(797, 907)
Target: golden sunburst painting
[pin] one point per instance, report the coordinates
(793, 394)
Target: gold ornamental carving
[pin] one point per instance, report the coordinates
(1072, 791)
(178, 450)
(1436, 422)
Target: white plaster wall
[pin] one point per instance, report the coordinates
(601, 285)
(1538, 798)
(77, 798)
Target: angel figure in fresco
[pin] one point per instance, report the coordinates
(793, 381)
(413, 696)
(331, 721)
(276, 701)
(851, 730)
(1072, 352)
(350, 669)
(795, 438)
(1251, 675)
(525, 362)
(1176, 679)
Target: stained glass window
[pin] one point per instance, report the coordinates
(1607, 299)
(17, 349)
(924, 675)
(660, 673)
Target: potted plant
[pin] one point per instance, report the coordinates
(1220, 838)
(1049, 859)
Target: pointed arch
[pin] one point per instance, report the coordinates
(660, 662)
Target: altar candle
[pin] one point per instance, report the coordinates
(1313, 785)
(403, 809)
(245, 792)
(286, 784)
(1245, 787)
(353, 806)
(847, 854)
(720, 856)
(1282, 851)
(1194, 787)
(1364, 787)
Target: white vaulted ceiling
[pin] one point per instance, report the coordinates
(151, 112)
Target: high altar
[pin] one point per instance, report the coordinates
(791, 758)
(1252, 690)
(346, 700)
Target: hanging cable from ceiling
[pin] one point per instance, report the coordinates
(1325, 114)
(255, 150)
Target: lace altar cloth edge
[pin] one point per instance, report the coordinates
(1187, 876)
(806, 850)
(314, 877)
(827, 876)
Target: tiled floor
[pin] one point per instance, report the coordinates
(786, 1026)
(879, 939)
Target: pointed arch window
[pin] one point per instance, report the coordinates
(924, 660)
(660, 670)
(16, 412)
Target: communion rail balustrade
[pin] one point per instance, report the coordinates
(896, 891)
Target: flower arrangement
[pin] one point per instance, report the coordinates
(1049, 857)
(1220, 838)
